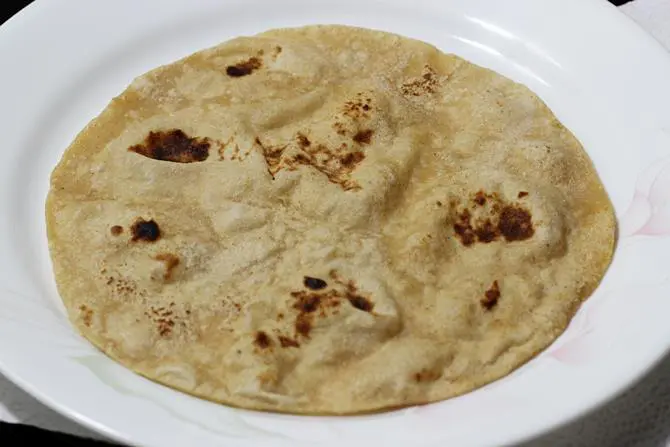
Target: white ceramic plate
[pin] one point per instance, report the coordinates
(62, 61)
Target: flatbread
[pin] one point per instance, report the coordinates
(326, 220)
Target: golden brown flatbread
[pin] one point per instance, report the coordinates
(326, 220)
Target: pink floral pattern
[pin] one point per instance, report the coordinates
(647, 215)
(649, 211)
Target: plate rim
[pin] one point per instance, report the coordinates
(26, 14)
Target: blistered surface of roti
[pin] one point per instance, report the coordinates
(326, 220)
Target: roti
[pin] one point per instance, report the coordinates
(326, 220)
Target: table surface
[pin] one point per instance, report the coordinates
(640, 417)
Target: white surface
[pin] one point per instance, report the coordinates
(653, 16)
(626, 131)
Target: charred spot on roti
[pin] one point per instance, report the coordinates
(352, 294)
(262, 340)
(491, 296)
(173, 145)
(360, 302)
(522, 194)
(244, 68)
(314, 283)
(303, 141)
(352, 159)
(272, 155)
(287, 342)
(480, 198)
(86, 315)
(309, 302)
(515, 224)
(509, 221)
(303, 325)
(165, 327)
(340, 128)
(426, 375)
(306, 302)
(486, 232)
(230, 150)
(363, 136)
(427, 83)
(116, 230)
(324, 303)
(171, 262)
(463, 228)
(336, 165)
(145, 230)
(164, 319)
(124, 288)
(358, 108)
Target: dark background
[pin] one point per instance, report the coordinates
(18, 435)
(12, 8)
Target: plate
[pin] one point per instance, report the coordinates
(602, 76)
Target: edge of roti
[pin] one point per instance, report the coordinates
(456, 224)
